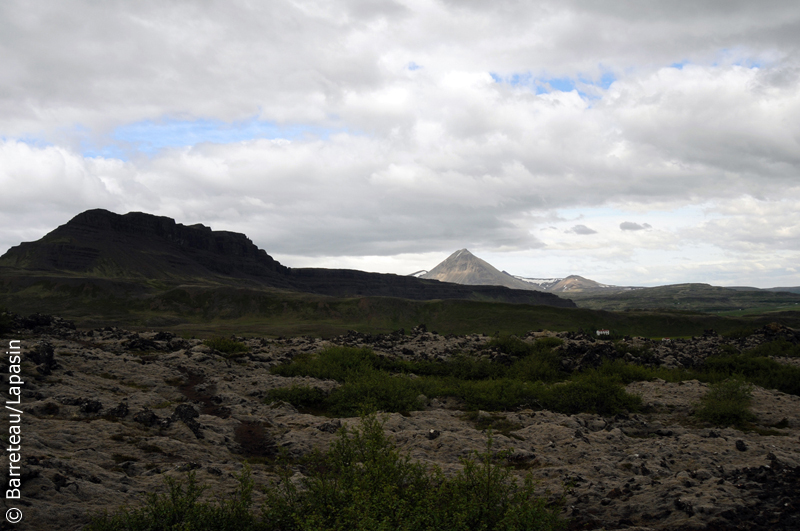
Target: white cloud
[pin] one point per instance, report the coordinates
(630, 225)
(392, 161)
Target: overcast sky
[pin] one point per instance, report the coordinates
(630, 142)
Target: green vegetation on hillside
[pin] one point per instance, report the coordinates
(206, 309)
(368, 380)
(361, 483)
(690, 297)
(533, 379)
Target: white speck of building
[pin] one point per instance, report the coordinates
(603, 332)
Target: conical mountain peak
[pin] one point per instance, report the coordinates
(463, 267)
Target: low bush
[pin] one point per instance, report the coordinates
(778, 348)
(181, 509)
(479, 383)
(226, 346)
(758, 370)
(374, 390)
(542, 365)
(727, 403)
(591, 392)
(363, 483)
(332, 363)
(302, 396)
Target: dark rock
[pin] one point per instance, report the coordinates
(120, 411)
(330, 426)
(741, 446)
(188, 467)
(49, 408)
(684, 506)
(185, 412)
(254, 440)
(91, 406)
(43, 355)
(195, 427)
(146, 417)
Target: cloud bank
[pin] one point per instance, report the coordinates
(386, 136)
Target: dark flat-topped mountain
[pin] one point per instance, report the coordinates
(101, 243)
(137, 247)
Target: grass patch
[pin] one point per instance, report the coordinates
(226, 346)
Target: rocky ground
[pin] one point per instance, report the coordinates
(108, 413)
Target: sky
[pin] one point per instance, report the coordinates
(631, 142)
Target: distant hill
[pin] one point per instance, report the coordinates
(795, 289)
(577, 283)
(690, 297)
(139, 253)
(463, 267)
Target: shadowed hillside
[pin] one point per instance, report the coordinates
(105, 264)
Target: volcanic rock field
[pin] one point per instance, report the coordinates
(108, 413)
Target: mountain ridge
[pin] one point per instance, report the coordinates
(139, 248)
(464, 267)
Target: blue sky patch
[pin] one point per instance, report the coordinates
(547, 85)
(148, 137)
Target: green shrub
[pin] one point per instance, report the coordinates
(760, 371)
(779, 348)
(541, 366)
(511, 345)
(627, 372)
(484, 496)
(591, 392)
(302, 396)
(180, 509)
(374, 390)
(727, 403)
(480, 384)
(363, 483)
(226, 346)
(332, 363)
(499, 395)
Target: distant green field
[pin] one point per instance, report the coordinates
(690, 297)
(208, 309)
